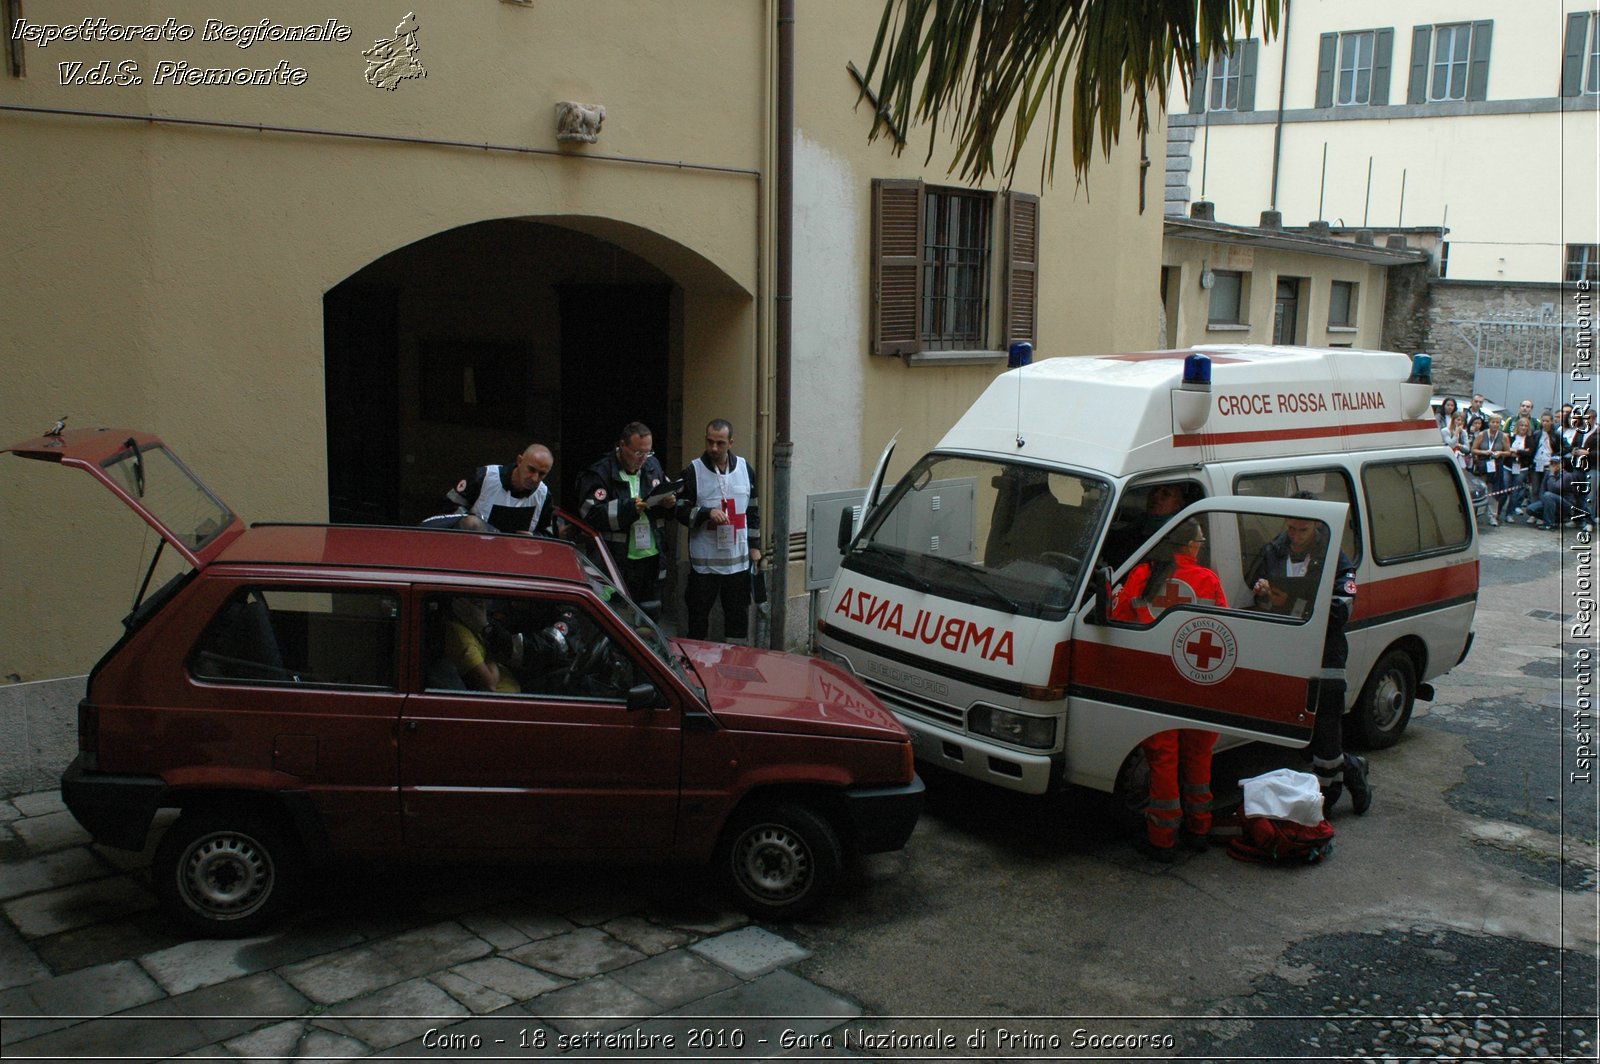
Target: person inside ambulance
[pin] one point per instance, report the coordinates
(1137, 520)
(1029, 523)
(1284, 580)
(1171, 575)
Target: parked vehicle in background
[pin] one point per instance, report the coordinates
(305, 693)
(973, 599)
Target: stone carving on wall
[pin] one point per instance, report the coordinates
(579, 121)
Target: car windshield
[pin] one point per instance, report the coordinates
(168, 492)
(1004, 535)
(631, 615)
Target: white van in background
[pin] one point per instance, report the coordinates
(969, 599)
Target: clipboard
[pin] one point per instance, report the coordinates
(663, 491)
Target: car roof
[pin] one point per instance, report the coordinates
(436, 551)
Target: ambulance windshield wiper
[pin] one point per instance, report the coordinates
(978, 578)
(896, 558)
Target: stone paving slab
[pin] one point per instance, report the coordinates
(750, 951)
(577, 954)
(78, 905)
(18, 963)
(295, 1040)
(502, 975)
(343, 975)
(53, 831)
(599, 1004)
(673, 979)
(37, 804)
(51, 870)
(478, 998)
(394, 1014)
(8, 811)
(646, 936)
(145, 932)
(428, 949)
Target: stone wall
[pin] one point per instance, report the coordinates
(40, 722)
(1418, 310)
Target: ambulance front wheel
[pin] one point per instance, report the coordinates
(1130, 796)
(1382, 712)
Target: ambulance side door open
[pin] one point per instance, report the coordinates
(1229, 668)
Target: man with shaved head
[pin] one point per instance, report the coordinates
(504, 498)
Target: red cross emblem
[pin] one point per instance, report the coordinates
(735, 518)
(1175, 593)
(1204, 650)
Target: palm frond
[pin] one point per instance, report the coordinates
(977, 64)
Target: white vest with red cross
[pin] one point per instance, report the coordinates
(722, 548)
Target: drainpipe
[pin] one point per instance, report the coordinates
(1277, 129)
(783, 295)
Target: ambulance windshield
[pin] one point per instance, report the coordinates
(1002, 535)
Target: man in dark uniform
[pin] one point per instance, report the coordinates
(504, 498)
(614, 497)
(1284, 580)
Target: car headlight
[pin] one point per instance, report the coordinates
(1036, 732)
(834, 658)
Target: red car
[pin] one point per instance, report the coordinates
(311, 692)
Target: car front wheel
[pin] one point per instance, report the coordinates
(780, 861)
(225, 875)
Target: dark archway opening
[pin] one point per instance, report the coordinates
(460, 349)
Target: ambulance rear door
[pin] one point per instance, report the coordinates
(1223, 666)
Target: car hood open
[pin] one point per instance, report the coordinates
(765, 690)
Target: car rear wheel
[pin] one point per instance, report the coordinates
(1384, 708)
(225, 875)
(780, 861)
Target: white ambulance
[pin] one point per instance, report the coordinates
(974, 597)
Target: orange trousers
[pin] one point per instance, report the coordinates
(1180, 784)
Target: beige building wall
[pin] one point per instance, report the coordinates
(1189, 259)
(172, 276)
(1513, 176)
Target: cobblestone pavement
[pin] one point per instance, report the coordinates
(584, 963)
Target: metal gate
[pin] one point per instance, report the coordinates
(1522, 356)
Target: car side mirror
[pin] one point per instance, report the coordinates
(644, 696)
(1100, 588)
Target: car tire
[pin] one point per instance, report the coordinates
(1383, 709)
(1130, 795)
(225, 875)
(780, 861)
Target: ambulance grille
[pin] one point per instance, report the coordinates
(915, 705)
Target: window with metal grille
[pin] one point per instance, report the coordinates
(934, 257)
(955, 270)
(1227, 298)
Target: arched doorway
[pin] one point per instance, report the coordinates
(459, 349)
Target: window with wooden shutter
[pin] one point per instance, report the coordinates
(1577, 47)
(1022, 268)
(896, 266)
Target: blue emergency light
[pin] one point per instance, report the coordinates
(1020, 354)
(1197, 370)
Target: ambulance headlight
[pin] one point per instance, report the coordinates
(1036, 732)
(834, 658)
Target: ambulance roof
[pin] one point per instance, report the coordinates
(1114, 413)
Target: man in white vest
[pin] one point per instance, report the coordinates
(718, 503)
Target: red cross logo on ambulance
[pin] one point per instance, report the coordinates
(1205, 650)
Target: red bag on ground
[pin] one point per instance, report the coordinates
(1270, 840)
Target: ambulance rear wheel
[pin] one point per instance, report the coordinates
(1382, 712)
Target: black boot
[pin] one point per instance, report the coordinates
(1330, 797)
(1355, 778)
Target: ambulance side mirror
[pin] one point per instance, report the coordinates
(1100, 588)
(847, 528)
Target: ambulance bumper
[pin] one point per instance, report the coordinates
(1001, 766)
